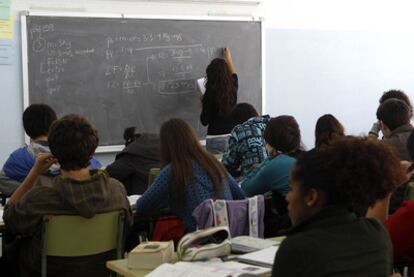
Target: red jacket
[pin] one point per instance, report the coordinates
(401, 229)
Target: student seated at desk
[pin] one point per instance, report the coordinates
(282, 136)
(400, 225)
(246, 143)
(189, 175)
(327, 129)
(327, 238)
(77, 191)
(37, 119)
(131, 166)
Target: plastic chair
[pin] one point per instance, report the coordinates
(153, 173)
(74, 236)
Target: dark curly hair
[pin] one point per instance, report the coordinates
(394, 113)
(37, 119)
(327, 128)
(398, 94)
(73, 140)
(220, 80)
(282, 133)
(353, 171)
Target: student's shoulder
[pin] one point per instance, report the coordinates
(20, 154)
(283, 159)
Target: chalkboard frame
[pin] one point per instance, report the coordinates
(118, 148)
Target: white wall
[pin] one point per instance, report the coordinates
(330, 56)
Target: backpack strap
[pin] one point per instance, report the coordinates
(220, 212)
(253, 217)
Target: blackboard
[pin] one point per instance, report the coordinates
(122, 72)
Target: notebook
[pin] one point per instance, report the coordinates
(263, 257)
(246, 244)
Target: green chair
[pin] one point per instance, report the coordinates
(74, 236)
(153, 173)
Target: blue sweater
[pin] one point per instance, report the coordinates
(20, 162)
(157, 194)
(271, 175)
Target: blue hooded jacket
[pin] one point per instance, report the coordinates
(20, 162)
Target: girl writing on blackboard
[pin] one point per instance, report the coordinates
(219, 100)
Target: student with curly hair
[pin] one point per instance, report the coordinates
(77, 191)
(327, 129)
(327, 238)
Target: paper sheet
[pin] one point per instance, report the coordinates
(4, 9)
(204, 269)
(133, 199)
(7, 52)
(7, 28)
(201, 87)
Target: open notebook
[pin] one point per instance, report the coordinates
(263, 257)
(207, 269)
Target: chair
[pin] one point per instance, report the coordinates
(82, 236)
(153, 173)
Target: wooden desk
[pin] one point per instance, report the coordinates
(120, 266)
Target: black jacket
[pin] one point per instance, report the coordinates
(132, 165)
(335, 243)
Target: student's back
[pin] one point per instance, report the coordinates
(335, 243)
(132, 165)
(78, 191)
(189, 175)
(37, 119)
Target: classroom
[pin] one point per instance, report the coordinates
(286, 113)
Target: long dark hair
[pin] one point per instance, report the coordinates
(220, 80)
(327, 129)
(180, 148)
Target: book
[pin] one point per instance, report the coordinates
(264, 257)
(150, 254)
(246, 244)
(206, 269)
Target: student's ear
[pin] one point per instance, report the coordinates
(313, 198)
(271, 151)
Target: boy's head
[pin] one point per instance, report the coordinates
(243, 112)
(73, 140)
(37, 119)
(394, 113)
(398, 94)
(283, 133)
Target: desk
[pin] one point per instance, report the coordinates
(120, 266)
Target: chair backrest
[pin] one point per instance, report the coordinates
(153, 173)
(73, 236)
